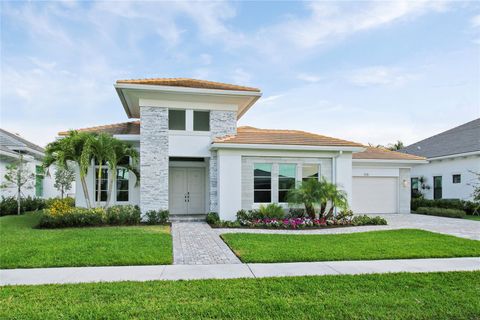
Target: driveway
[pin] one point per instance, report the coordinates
(456, 227)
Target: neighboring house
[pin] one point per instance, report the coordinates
(11, 147)
(453, 157)
(194, 159)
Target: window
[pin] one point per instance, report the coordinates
(103, 184)
(122, 184)
(286, 180)
(262, 182)
(437, 187)
(39, 175)
(201, 121)
(414, 187)
(176, 119)
(456, 178)
(310, 171)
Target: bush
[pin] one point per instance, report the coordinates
(441, 212)
(364, 220)
(74, 217)
(271, 211)
(467, 206)
(213, 218)
(294, 213)
(70, 202)
(123, 215)
(8, 205)
(156, 216)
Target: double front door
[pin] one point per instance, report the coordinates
(187, 190)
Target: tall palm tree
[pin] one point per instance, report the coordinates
(72, 148)
(120, 150)
(102, 149)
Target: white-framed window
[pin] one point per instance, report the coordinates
(262, 183)
(286, 180)
(201, 120)
(310, 171)
(176, 119)
(103, 183)
(456, 178)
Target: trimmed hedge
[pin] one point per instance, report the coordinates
(441, 212)
(8, 205)
(467, 206)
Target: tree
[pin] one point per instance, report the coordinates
(321, 194)
(18, 175)
(395, 146)
(102, 149)
(75, 147)
(64, 177)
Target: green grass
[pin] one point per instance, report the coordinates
(389, 296)
(391, 244)
(21, 246)
(476, 218)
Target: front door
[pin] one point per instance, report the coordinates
(187, 190)
(437, 187)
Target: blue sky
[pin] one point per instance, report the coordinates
(364, 71)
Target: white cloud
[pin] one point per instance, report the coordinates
(379, 75)
(475, 21)
(309, 77)
(241, 77)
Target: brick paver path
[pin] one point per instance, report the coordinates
(197, 243)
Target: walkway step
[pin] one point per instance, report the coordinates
(187, 217)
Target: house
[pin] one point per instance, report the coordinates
(453, 159)
(12, 146)
(194, 159)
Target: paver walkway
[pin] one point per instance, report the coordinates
(197, 243)
(456, 227)
(229, 271)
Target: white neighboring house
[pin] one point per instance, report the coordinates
(11, 147)
(194, 159)
(452, 157)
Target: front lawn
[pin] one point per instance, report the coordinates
(475, 218)
(21, 246)
(373, 245)
(389, 296)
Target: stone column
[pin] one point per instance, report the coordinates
(153, 158)
(222, 123)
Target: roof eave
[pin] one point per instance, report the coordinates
(404, 161)
(219, 145)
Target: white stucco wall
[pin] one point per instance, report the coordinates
(446, 168)
(342, 173)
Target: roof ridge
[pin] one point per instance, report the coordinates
(105, 126)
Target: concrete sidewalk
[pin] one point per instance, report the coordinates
(230, 271)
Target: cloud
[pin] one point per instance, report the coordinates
(379, 75)
(240, 76)
(309, 77)
(475, 21)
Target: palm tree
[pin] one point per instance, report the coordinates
(72, 148)
(396, 146)
(102, 149)
(118, 151)
(318, 193)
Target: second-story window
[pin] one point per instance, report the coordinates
(201, 121)
(176, 119)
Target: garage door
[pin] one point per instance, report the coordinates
(374, 194)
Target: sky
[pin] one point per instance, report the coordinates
(370, 72)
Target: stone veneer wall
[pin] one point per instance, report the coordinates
(153, 158)
(222, 123)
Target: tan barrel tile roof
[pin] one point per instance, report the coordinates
(251, 135)
(132, 127)
(384, 154)
(189, 83)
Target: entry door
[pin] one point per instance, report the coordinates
(187, 190)
(437, 187)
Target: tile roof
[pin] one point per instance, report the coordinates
(251, 135)
(384, 154)
(132, 127)
(189, 83)
(461, 139)
(11, 140)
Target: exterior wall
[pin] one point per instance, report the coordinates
(222, 123)
(343, 173)
(229, 184)
(153, 158)
(404, 193)
(49, 191)
(446, 168)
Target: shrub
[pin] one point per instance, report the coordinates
(271, 211)
(213, 218)
(123, 215)
(58, 206)
(69, 201)
(366, 220)
(157, 216)
(8, 205)
(442, 212)
(467, 206)
(74, 217)
(296, 213)
(32, 204)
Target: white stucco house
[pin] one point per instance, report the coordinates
(194, 159)
(453, 157)
(11, 147)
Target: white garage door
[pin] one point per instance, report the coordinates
(374, 194)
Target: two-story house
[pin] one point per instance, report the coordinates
(194, 159)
